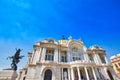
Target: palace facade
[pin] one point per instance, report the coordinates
(115, 60)
(66, 60)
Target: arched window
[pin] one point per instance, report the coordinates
(48, 75)
(75, 75)
(75, 54)
(102, 58)
(51, 41)
(74, 49)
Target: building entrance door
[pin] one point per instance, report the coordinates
(48, 75)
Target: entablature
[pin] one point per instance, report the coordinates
(89, 51)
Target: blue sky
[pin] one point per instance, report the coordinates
(24, 22)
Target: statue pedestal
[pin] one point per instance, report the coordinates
(8, 74)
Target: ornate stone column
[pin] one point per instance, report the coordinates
(79, 75)
(72, 73)
(87, 57)
(39, 54)
(69, 74)
(36, 55)
(68, 56)
(98, 72)
(59, 54)
(106, 73)
(41, 49)
(43, 54)
(62, 73)
(95, 58)
(98, 57)
(94, 74)
(32, 58)
(56, 55)
(106, 59)
(29, 59)
(59, 73)
(86, 73)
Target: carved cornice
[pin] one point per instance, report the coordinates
(31, 64)
(43, 44)
(89, 51)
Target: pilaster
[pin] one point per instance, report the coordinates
(62, 73)
(95, 77)
(69, 74)
(72, 73)
(87, 57)
(59, 54)
(106, 59)
(95, 58)
(43, 54)
(105, 70)
(86, 73)
(56, 55)
(79, 75)
(68, 57)
(38, 54)
(98, 57)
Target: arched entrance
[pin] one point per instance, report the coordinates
(48, 75)
(75, 75)
(110, 75)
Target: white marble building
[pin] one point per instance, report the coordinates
(66, 60)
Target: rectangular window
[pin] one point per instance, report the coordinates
(73, 58)
(63, 56)
(49, 55)
(63, 59)
(91, 57)
(102, 58)
(45, 57)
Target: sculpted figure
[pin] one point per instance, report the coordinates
(15, 59)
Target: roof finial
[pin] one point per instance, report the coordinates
(63, 37)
